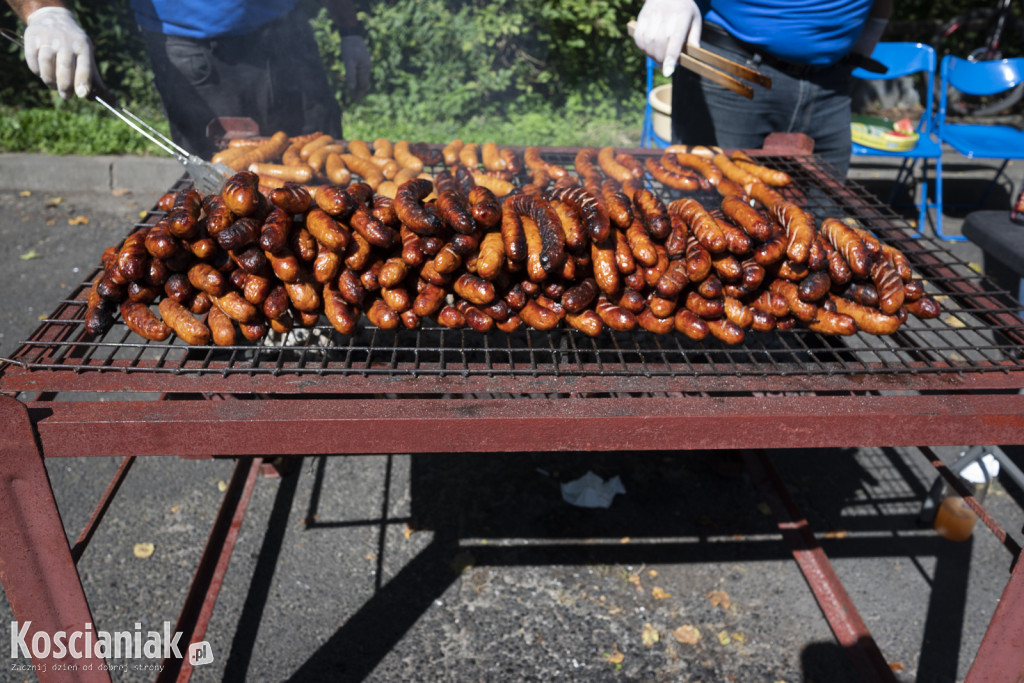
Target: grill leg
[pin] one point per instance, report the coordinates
(36, 569)
(839, 610)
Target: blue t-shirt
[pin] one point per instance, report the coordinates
(818, 32)
(207, 18)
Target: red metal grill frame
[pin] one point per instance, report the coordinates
(471, 409)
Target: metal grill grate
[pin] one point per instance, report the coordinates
(979, 330)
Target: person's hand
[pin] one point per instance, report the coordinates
(58, 51)
(663, 26)
(356, 57)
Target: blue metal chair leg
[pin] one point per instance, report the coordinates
(938, 207)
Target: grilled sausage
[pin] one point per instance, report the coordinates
(868, 320)
(205, 277)
(133, 258)
(688, 323)
(747, 217)
(615, 317)
(241, 193)
(844, 240)
(726, 330)
(701, 224)
(578, 297)
(889, 285)
(184, 324)
(595, 219)
(327, 231)
(827, 322)
(687, 181)
(586, 321)
(143, 322)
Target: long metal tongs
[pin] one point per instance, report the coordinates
(207, 177)
(717, 68)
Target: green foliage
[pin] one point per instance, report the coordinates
(459, 63)
(74, 127)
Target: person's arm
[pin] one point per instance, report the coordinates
(56, 48)
(346, 21)
(354, 52)
(874, 27)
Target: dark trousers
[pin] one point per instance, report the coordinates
(815, 102)
(273, 75)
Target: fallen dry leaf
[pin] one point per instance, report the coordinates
(222, 486)
(54, 201)
(739, 637)
(25, 193)
(723, 637)
(687, 634)
(653, 573)
(142, 214)
(836, 534)
(143, 550)
(370, 556)
(659, 594)
(649, 635)
(625, 539)
(78, 220)
(896, 666)
(719, 599)
(635, 580)
(614, 657)
(407, 532)
(30, 254)
(41, 318)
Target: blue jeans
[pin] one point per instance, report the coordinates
(817, 104)
(273, 75)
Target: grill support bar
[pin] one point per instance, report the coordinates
(36, 568)
(842, 615)
(213, 565)
(323, 426)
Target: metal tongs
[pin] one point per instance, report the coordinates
(207, 177)
(717, 68)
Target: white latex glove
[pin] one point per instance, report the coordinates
(663, 26)
(58, 51)
(356, 57)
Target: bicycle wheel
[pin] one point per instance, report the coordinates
(966, 35)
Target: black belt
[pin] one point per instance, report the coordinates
(716, 36)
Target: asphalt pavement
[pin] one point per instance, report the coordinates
(460, 567)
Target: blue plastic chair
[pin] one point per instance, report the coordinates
(648, 138)
(906, 59)
(974, 140)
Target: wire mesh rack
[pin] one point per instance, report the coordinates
(979, 330)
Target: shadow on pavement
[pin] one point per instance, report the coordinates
(503, 510)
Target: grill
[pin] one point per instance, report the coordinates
(952, 380)
(978, 332)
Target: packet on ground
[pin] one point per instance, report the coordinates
(591, 491)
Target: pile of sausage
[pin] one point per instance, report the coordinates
(496, 239)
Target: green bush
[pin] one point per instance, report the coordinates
(456, 68)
